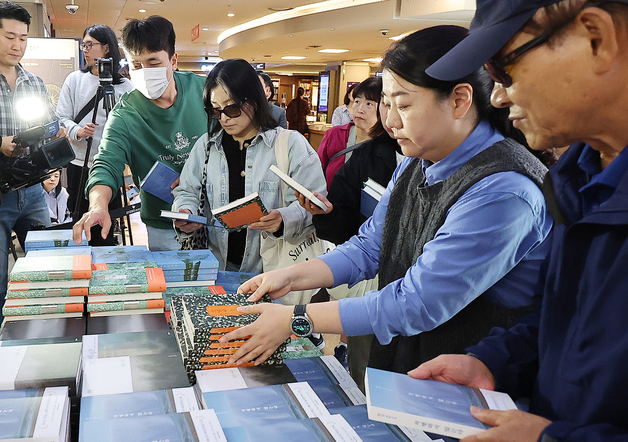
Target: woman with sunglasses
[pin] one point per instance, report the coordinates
(235, 156)
(76, 100)
(457, 238)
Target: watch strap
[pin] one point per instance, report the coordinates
(299, 310)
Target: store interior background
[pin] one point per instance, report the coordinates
(264, 32)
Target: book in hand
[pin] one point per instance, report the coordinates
(432, 406)
(371, 194)
(298, 187)
(158, 181)
(241, 212)
(184, 216)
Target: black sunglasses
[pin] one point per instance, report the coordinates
(231, 111)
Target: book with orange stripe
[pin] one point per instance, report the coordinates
(46, 268)
(127, 280)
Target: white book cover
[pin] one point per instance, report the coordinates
(298, 187)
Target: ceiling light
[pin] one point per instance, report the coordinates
(142, 10)
(373, 60)
(333, 51)
(231, 14)
(293, 57)
(204, 29)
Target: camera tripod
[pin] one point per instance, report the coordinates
(106, 92)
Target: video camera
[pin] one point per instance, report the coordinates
(105, 69)
(33, 159)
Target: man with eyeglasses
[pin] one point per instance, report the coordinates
(160, 120)
(561, 67)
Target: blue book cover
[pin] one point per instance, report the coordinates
(252, 406)
(301, 430)
(60, 251)
(171, 427)
(190, 260)
(158, 180)
(314, 372)
(367, 203)
(368, 430)
(126, 405)
(120, 254)
(182, 275)
(230, 281)
(432, 406)
(18, 414)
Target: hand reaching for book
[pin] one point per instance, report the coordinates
(313, 208)
(511, 425)
(276, 283)
(267, 333)
(456, 369)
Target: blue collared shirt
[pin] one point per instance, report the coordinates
(493, 240)
(604, 182)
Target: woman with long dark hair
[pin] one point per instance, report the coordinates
(297, 112)
(76, 100)
(457, 238)
(234, 156)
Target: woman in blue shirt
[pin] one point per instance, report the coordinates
(457, 238)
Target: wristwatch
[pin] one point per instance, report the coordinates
(300, 324)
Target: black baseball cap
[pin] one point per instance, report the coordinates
(494, 24)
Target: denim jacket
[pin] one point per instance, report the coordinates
(305, 167)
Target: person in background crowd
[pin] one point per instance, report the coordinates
(233, 158)
(554, 62)
(77, 100)
(158, 121)
(457, 238)
(297, 112)
(343, 114)
(269, 90)
(57, 199)
(23, 208)
(364, 110)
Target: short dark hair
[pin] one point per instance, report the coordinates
(264, 76)
(12, 11)
(349, 90)
(240, 81)
(371, 89)
(105, 35)
(152, 34)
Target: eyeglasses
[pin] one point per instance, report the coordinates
(231, 111)
(88, 45)
(496, 68)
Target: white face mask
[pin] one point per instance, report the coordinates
(151, 82)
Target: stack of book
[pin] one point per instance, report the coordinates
(132, 288)
(42, 287)
(47, 239)
(187, 268)
(200, 321)
(35, 414)
(192, 291)
(371, 194)
(114, 257)
(131, 362)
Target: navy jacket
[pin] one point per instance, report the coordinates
(571, 358)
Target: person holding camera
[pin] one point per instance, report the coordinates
(76, 110)
(160, 120)
(26, 207)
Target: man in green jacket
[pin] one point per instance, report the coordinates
(160, 120)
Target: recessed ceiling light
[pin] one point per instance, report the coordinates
(142, 10)
(373, 60)
(231, 14)
(293, 57)
(333, 51)
(204, 29)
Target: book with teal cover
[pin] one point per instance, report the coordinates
(18, 413)
(45, 268)
(208, 276)
(129, 279)
(125, 405)
(47, 309)
(190, 260)
(252, 406)
(120, 254)
(432, 406)
(369, 430)
(44, 239)
(232, 280)
(301, 430)
(118, 306)
(47, 293)
(322, 381)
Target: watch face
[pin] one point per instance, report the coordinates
(301, 326)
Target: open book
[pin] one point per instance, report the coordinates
(241, 212)
(298, 187)
(432, 406)
(184, 216)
